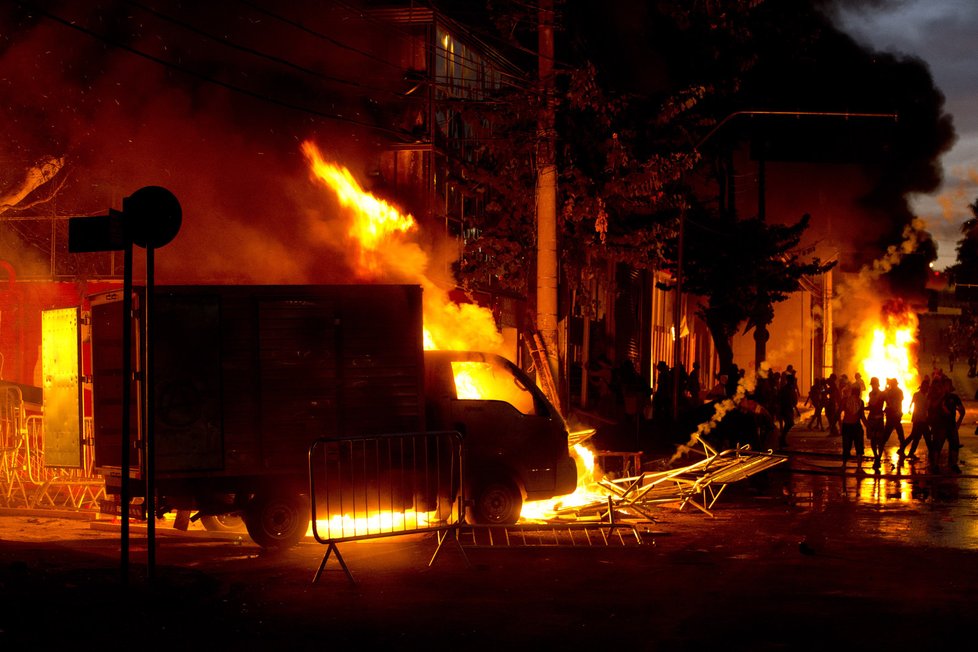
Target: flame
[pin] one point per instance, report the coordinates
(888, 349)
(480, 380)
(588, 491)
(378, 237)
(374, 222)
(375, 523)
(450, 326)
(381, 252)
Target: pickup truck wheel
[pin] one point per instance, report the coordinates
(222, 523)
(496, 502)
(277, 520)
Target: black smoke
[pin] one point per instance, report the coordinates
(853, 175)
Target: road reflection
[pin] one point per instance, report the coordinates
(903, 504)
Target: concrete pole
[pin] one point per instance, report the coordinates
(547, 192)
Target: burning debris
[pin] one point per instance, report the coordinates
(888, 348)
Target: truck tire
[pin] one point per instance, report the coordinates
(277, 519)
(496, 502)
(222, 523)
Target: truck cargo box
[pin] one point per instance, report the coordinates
(245, 377)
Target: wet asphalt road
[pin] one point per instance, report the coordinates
(800, 558)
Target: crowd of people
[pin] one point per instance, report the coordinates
(936, 415)
(762, 416)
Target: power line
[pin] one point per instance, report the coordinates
(317, 34)
(463, 62)
(206, 78)
(257, 53)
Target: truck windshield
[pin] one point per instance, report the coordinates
(488, 382)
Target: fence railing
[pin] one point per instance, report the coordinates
(25, 480)
(383, 486)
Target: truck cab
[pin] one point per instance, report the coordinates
(515, 440)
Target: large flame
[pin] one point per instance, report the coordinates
(374, 222)
(378, 234)
(887, 349)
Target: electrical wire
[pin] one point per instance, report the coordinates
(465, 63)
(320, 35)
(203, 77)
(257, 53)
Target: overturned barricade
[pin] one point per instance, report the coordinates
(698, 484)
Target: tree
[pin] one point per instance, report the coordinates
(741, 268)
(620, 154)
(965, 270)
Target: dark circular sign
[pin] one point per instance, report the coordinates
(153, 216)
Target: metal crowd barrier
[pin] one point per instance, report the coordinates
(25, 480)
(698, 484)
(383, 486)
(62, 488)
(13, 444)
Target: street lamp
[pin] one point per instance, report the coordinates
(677, 302)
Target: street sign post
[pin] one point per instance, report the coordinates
(150, 218)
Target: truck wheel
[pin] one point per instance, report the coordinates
(222, 523)
(277, 520)
(496, 502)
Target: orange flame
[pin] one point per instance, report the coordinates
(375, 222)
(587, 492)
(480, 380)
(374, 523)
(377, 232)
(888, 349)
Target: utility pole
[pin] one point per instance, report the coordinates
(546, 199)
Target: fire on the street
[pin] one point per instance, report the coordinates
(887, 349)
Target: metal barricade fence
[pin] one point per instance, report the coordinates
(13, 447)
(62, 488)
(25, 480)
(382, 486)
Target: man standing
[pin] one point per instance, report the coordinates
(952, 413)
(918, 421)
(875, 421)
(894, 412)
(852, 419)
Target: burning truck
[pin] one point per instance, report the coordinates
(245, 378)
